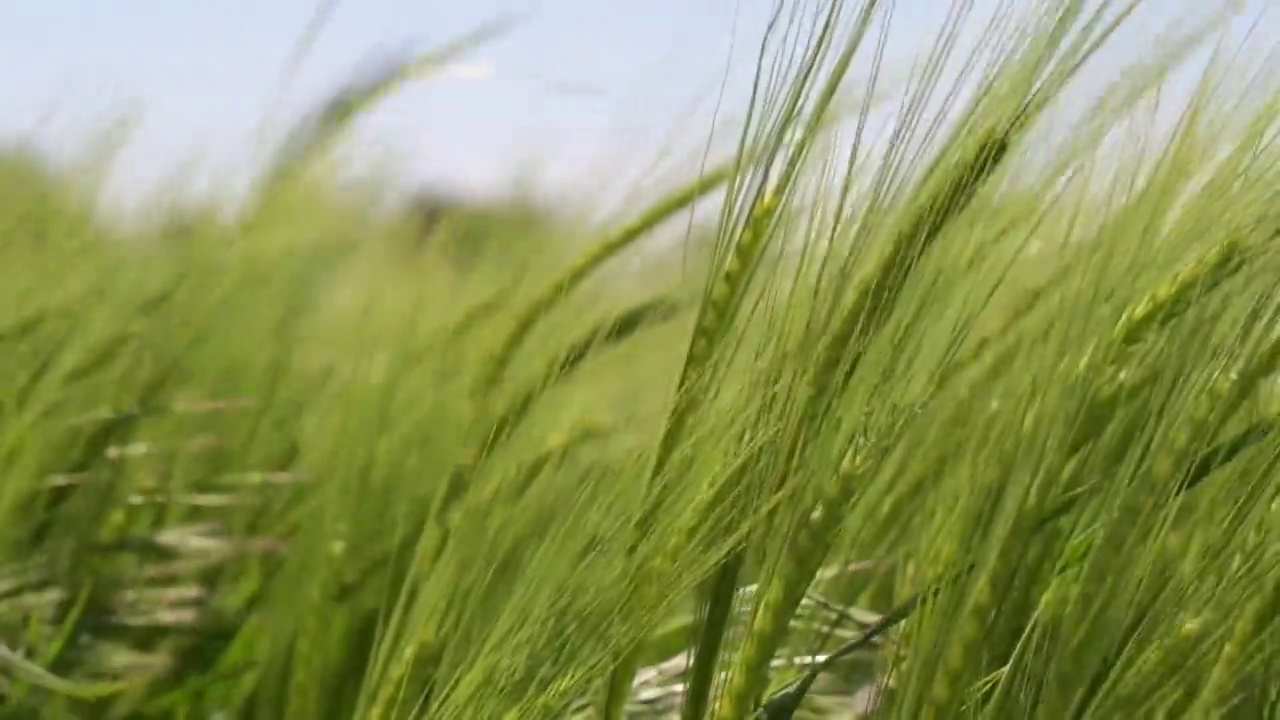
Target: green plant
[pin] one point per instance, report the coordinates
(973, 422)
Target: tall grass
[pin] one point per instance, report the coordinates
(974, 420)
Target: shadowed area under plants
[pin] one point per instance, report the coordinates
(971, 413)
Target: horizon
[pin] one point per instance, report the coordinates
(576, 100)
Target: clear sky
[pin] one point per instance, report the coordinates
(579, 89)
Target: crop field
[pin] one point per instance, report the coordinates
(976, 417)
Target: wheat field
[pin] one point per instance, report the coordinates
(974, 419)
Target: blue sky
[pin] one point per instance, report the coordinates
(579, 91)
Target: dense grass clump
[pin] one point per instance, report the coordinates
(974, 419)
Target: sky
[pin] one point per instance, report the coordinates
(578, 95)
